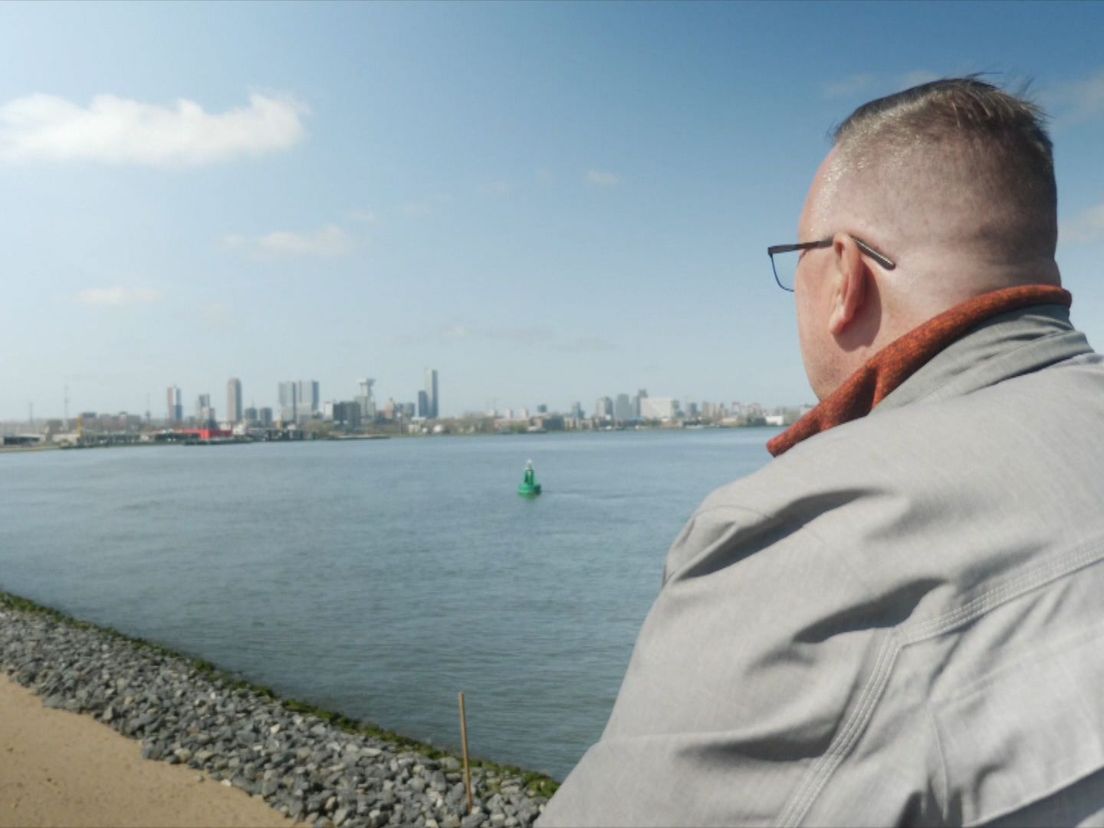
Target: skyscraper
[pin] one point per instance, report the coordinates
(364, 398)
(234, 400)
(623, 408)
(205, 412)
(433, 403)
(175, 407)
(286, 397)
(308, 397)
(298, 400)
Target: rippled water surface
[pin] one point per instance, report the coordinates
(378, 578)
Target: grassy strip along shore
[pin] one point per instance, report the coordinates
(313, 765)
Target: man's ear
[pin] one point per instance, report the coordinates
(850, 276)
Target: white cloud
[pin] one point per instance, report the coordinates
(849, 86)
(117, 295)
(1087, 226)
(501, 188)
(871, 84)
(363, 216)
(426, 206)
(602, 178)
(115, 130)
(456, 332)
(329, 241)
(586, 345)
(1076, 101)
(917, 77)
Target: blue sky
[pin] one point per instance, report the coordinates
(545, 202)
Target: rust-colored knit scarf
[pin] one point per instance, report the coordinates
(901, 358)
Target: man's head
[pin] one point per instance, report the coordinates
(954, 181)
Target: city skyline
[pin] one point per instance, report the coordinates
(587, 204)
(302, 400)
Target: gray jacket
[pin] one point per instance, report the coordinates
(899, 621)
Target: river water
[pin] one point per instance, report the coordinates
(378, 578)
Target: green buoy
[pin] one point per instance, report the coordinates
(529, 487)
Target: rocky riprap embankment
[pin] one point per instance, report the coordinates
(304, 766)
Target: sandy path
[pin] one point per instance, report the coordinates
(63, 769)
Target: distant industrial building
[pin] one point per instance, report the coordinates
(343, 414)
(658, 408)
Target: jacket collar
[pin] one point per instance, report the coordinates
(973, 342)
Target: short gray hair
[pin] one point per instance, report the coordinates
(984, 138)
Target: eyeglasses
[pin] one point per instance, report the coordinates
(785, 267)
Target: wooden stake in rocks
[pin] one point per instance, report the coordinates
(464, 742)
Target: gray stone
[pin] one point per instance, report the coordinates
(339, 817)
(151, 750)
(473, 820)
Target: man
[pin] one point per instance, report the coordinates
(900, 620)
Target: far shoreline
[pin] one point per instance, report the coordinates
(360, 438)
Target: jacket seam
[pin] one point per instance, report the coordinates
(1006, 355)
(807, 791)
(945, 804)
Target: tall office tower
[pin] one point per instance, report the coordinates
(433, 401)
(577, 410)
(205, 412)
(233, 400)
(175, 406)
(307, 397)
(623, 408)
(298, 400)
(264, 416)
(423, 404)
(638, 401)
(364, 398)
(603, 408)
(286, 398)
